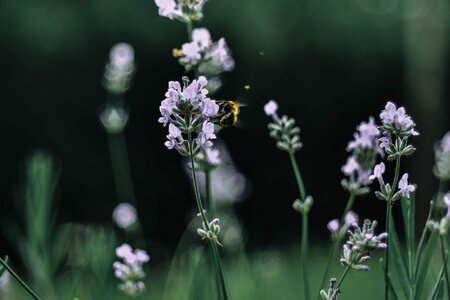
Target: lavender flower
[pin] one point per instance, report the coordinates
(182, 10)
(124, 215)
(202, 54)
(283, 129)
(405, 188)
(361, 242)
(378, 172)
(364, 151)
(188, 111)
(119, 69)
(442, 158)
(397, 127)
(130, 271)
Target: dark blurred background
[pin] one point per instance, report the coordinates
(330, 64)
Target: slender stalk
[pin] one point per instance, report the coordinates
(342, 277)
(298, 177)
(336, 243)
(388, 223)
(304, 240)
(444, 253)
(189, 29)
(205, 221)
(209, 197)
(121, 168)
(304, 253)
(19, 280)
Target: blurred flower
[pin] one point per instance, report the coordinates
(271, 108)
(364, 151)
(182, 10)
(283, 129)
(124, 215)
(113, 119)
(337, 231)
(359, 245)
(130, 272)
(228, 184)
(188, 112)
(119, 69)
(303, 207)
(442, 158)
(404, 187)
(202, 54)
(443, 225)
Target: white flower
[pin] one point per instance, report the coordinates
(404, 187)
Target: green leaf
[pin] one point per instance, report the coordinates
(438, 287)
(397, 260)
(408, 211)
(424, 263)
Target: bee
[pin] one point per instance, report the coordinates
(228, 113)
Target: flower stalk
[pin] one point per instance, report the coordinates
(19, 280)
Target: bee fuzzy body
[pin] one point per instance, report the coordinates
(228, 113)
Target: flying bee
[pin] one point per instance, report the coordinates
(228, 113)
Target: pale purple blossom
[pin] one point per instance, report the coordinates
(124, 215)
(351, 166)
(130, 271)
(122, 55)
(405, 187)
(333, 226)
(207, 57)
(366, 136)
(202, 37)
(397, 119)
(378, 172)
(350, 218)
(446, 200)
(207, 134)
(445, 143)
(213, 156)
(174, 138)
(169, 9)
(271, 108)
(209, 108)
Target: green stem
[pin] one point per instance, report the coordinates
(342, 277)
(336, 243)
(19, 280)
(205, 221)
(189, 29)
(444, 253)
(298, 177)
(209, 198)
(304, 254)
(388, 222)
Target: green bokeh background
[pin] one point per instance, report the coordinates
(330, 64)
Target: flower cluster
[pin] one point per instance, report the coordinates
(210, 231)
(442, 158)
(332, 293)
(386, 193)
(397, 127)
(283, 129)
(361, 242)
(443, 225)
(205, 56)
(188, 112)
(364, 151)
(182, 10)
(119, 69)
(130, 271)
(337, 231)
